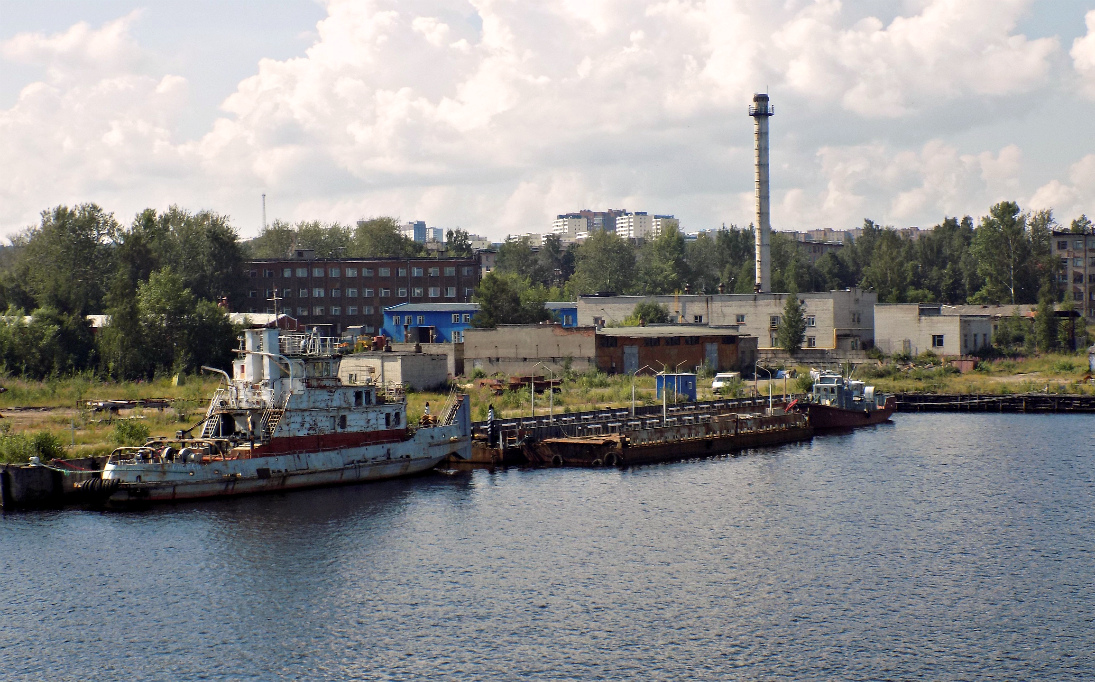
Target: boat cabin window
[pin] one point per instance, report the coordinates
(342, 422)
(397, 419)
(331, 424)
(359, 398)
(387, 419)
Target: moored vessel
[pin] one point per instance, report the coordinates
(838, 403)
(283, 420)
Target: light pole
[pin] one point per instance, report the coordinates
(633, 375)
(551, 392)
(756, 368)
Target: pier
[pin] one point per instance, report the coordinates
(1019, 403)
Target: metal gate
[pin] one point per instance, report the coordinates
(631, 359)
(711, 355)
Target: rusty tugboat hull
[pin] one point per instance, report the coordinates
(284, 420)
(824, 417)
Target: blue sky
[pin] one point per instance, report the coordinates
(496, 116)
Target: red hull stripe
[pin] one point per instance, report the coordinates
(327, 441)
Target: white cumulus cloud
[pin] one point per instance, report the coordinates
(1083, 56)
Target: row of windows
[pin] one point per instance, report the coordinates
(774, 320)
(1076, 262)
(450, 271)
(1078, 245)
(409, 319)
(320, 292)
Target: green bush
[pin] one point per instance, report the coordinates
(17, 448)
(129, 432)
(478, 373)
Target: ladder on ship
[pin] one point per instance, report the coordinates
(271, 417)
(211, 427)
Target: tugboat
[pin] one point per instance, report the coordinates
(285, 420)
(839, 403)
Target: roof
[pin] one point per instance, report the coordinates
(258, 319)
(431, 307)
(559, 305)
(670, 330)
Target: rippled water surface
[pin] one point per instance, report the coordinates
(935, 547)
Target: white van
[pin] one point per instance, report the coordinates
(723, 380)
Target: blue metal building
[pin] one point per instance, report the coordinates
(428, 322)
(682, 385)
(565, 312)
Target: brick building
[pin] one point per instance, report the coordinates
(344, 292)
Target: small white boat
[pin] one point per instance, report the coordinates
(285, 420)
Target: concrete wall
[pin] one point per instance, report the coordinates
(906, 328)
(516, 349)
(420, 371)
(453, 352)
(842, 319)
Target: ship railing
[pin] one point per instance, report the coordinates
(308, 345)
(393, 392)
(222, 397)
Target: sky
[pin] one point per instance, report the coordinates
(496, 115)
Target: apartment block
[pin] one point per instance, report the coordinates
(1076, 272)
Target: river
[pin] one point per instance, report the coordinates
(936, 547)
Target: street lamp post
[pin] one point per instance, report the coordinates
(551, 391)
(756, 368)
(633, 375)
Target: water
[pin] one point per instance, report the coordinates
(936, 547)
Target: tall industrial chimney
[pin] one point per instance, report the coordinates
(760, 111)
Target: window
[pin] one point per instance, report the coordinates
(368, 293)
(254, 273)
(336, 310)
(402, 293)
(366, 272)
(937, 340)
(351, 293)
(303, 293)
(368, 310)
(351, 310)
(336, 293)
(385, 272)
(1077, 278)
(1077, 295)
(458, 337)
(435, 292)
(418, 292)
(1062, 246)
(269, 293)
(450, 272)
(302, 311)
(253, 294)
(395, 320)
(673, 341)
(568, 320)
(1078, 245)
(415, 272)
(739, 318)
(456, 318)
(287, 293)
(317, 292)
(335, 272)
(421, 320)
(467, 317)
(697, 319)
(810, 321)
(317, 272)
(450, 292)
(402, 272)
(467, 272)
(385, 293)
(369, 329)
(1064, 262)
(1062, 277)
(435, 272)
(407, 319)
(773, 321)
(811, 342)
(468, 293)
(302, 272)
(317, 310)
(267, 273)
(287, 272)
(1077, 262)
(652, 342)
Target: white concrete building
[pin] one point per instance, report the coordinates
(570, 225)
(834, 319)
(637, 225)
(660, 222)
(914, 328)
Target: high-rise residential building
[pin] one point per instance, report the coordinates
(586, 222)
(570, 224)
(660, 222)
(414, 230)
(637, 225)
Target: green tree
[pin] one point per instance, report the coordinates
(646, 312)
(662, 267)
(1045, 321)
(516, 256)
(1003, 250)
(792, 325)
(380, 238)
(1081, 225)
(604, 262)
(556, 262)
(275, 241)
(183, 331)
(505, 299)
(458, 243)
(122, 344)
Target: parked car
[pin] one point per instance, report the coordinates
(725, 380)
